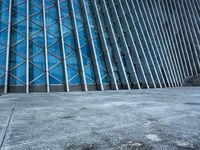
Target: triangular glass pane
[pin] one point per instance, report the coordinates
(37, 19)
(34, 72)
(82, 41)
(20, 72)
(39, 60)
(15, 59)
(20, 7)
(57, 72)
(3, 26)
(39, 38)
(85, 50)
(2, 59)
(33, 9)
(20, 48)
(72, 60)
(2, 81)
(16, 37)
(69, 40)
(53, 29)
(3, 36)
(53, 81)
(54, 60)
(55, 49)
(71, 72)
(41, 80)
(75, 80)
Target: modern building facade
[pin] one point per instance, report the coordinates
(81, 45)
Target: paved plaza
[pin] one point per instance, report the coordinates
(161, 119)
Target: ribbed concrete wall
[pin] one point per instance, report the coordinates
(68, 45)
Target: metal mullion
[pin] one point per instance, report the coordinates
(131, 44)
(179, 38)
(148, 50)
(168, 44)
(133, 24)
(184, 44)
(171, 43)
(187, 36)
(92, 47)
(164, 44)
(155, 36)
(27, 46)
(195, 35)
(45, 47)
(175, 45)
(121, 35)
(77, 43)
(113, 40)
(198, 22)
(195, 11)
(198, 5)
(8, 48)
(151, 43)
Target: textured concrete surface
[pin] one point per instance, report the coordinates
(164, 119)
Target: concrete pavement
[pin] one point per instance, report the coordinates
(162, 119)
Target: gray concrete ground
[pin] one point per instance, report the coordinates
(111, 120)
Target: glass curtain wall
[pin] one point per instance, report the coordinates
(74, 45)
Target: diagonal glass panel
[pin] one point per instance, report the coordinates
(37, 74)
(56, 66)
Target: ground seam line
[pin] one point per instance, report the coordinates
(8, 124)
